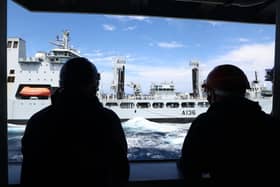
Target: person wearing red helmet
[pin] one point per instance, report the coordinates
(224, 81)
(234, 143)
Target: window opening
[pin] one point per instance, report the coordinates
(188, 104)
(127, 105)
(111, 104)
(12, 71)
(158, 105)
(143, 105)
(9, 44)
(15, 44)
(172, 105)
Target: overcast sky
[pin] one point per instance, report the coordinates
(156, 49)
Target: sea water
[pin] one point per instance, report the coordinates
(146, 139)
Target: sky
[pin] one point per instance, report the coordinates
(156, 49)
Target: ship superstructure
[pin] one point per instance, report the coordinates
(31, 80)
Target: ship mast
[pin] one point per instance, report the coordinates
(64, 42)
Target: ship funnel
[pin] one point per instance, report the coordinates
(195, 78)
(119, 75)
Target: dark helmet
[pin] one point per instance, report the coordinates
(78, 72)
(227, 78)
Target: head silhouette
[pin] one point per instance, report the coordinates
(226, 81)
(79, 73)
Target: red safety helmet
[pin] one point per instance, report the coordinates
(227, 78)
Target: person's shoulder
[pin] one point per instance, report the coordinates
(40, 115)
(202, 117)
(200, 121)
(37, 121)
(110, 114)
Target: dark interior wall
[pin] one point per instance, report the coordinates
(3, 94)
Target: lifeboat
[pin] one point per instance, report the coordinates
(35, 91)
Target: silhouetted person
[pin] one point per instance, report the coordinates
(75, 140)
(234, 143)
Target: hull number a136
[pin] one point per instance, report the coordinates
(188, 112)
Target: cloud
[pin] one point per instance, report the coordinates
(130, 18)
(148, 73)
(172, 44)
(95, 53)
(139, 70)
(130, 28)
(138, 18)
(266, 38)
(215, 23)
(108, 27)
(249, 57)
(104, 59)
(243, 40)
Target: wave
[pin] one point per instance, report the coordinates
(142, 124)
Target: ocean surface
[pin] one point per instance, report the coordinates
(146, 140)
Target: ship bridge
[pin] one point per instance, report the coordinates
(61, 55)
(63, 51)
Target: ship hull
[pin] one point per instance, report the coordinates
(21, 110)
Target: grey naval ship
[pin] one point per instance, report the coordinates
(32, 80)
